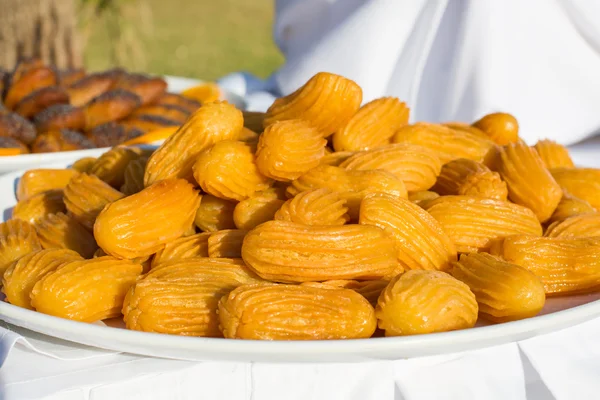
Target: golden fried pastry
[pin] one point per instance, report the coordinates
(352, 185)
(211, 123)
(111, 166)
(28, 82)
(91, 86)
(68, 77)
(578, 226)
(295, 312)
(370, 290)
(40, 180)
(148, 123)
(214, 214)
(417, 166)
(60, 116)
(449, 144)
(41, 99)
(141, 224)
(470, 178)
(60, 231)
(422, 196)
(335, 158)
(186, 247)
(502, 128)
(554, 155)
(473, 223)
(316, 207)
(565, 265)
(23, 66)
(20, 278)
(39, 205)
(112, 134)
(133, 180)
(288, 149)
(12, 147)
(180, 101)
(570, 206)
(60, 140)
(421, 243)
(181, 297)
(84, 164)
(327, 101)
(110, 106)
(14, 126)
(420, 302)
(226, 243)
(104, 280)
(529, 182)
(17, 238)
(86, 195)
(461, 126)
(373, 125)
(148, 89)
(504, 291)
(228, 170)
(170, 112)
(583, 183)
(259, 208)
(282, 251)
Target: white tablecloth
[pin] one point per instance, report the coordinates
(562, 365)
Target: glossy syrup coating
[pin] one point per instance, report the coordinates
(474, 223)
(504, 291)
(417, 166)
(282, 251)
(181, 297)
(372, 126)
(294, 312)
(565, 265)
(419, 302)
(420, 240)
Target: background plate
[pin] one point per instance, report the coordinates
(558, 313)
(13, 163)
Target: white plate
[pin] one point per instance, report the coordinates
(559, 313)
(14, 163)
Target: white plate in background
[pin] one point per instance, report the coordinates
(34, 160)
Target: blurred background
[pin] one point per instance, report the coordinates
(194, 38)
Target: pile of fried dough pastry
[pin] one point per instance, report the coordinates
(43, 109)
(319, 219)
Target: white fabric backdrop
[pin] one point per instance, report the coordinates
(449, 60)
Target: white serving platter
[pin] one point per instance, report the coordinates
(14, 163)
(558, 313)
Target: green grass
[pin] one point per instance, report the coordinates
(196, 38)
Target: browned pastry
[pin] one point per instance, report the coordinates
(30, 81)
(23, 66)
(17, 127)
(59, 116)
(169, 111)
(147, 123)
(41, 99)
(112, 134)
(91, 86)
(67, 77)
(60, 140)
(178, 100)
(148, 89)
(11, 146)
(110, 106)
(4, 76)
